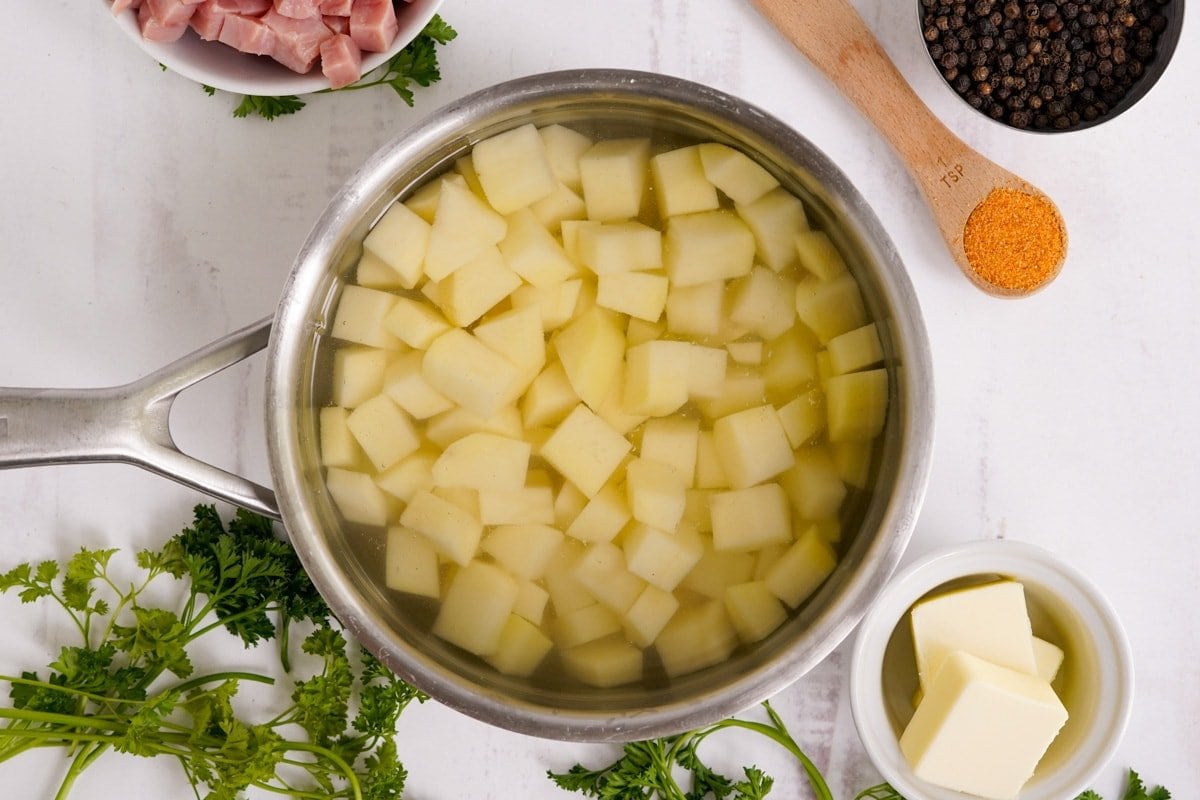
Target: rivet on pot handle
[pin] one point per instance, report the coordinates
(130, 423)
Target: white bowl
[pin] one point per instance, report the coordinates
(1095, 683)
(214, 64)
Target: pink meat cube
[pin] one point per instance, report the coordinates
(298, 9)
(207, 21)
(249, 8)
(297, 41)
(336, 8)
(119, 6)
(373, 25)
(337, 24)
(171, 13)
(153, 30)
(341, 60)
(248, 34)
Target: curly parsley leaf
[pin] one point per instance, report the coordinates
(267, 107)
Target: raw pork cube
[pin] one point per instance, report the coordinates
(337, 24)
(250, 8)
(248, 34)
(298, 9)
(297, 41)
(373, 25)
(336, 8)
(207, 21)
(170, 13)
(120, 6)
(154, 30)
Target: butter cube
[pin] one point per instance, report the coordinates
(753, 446)
(982, 728)
(747, 519)
(585, 450)
(522, 647)
(412, 565)
(802, 569)
(399, 239)
(476, 608)
(1048, 658)
(613, 174)
(604, 663)
(707, 246)
(513, 168)
(656, 377)
(590, 349)
(680, 183)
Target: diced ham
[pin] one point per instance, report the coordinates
(249, 8)
(119, 6)
(373, 25)
(154, 31)
(297, 41)
(170, 13)
(248, 34)
(207, 21)
(341, 60)
(336, 8)
(337, 24)
(298, 9)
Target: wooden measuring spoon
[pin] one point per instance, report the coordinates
(954, 178)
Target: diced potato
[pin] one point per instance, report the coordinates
(522, 647)
(556, 304)
(603, 573)
(523, 550)
(709, 472)
(531, 602)
(517, 335)
(465, 167)
(357, 374)
(476, 287)
(477, 378)
(447, 428)
(775, 218)
(604, 663)
(716, 570)
(791, 363)
(696, 637)
(451, 530)
(338, 446)
(476, 608)
(744, 388)
(661, 558)
(561, 205)
(463, 227)
(706, 371)
(813, 485)
(639, 330)
(680, 183)
(637, 294)
(802, 569)
(415, 323)
(405, 384)
(855, 350)
(568, 504)
(853, 462)
(752, 445)
(753, 610)
(656, 377)
(483, 461)
(533, 253)
(585, 624)
(830, 308)
(549, 398)
(613, 174)
(673, 441)
(399, 239)
(601, 518)
(424, 201)
(385, 433)
(696, 511)
(585, 450)
(696, 310)
(360, 315)
(655, 492)
(614, 411)
(763, 303)
(830, 530)
(766, 558)
(707, 246)
(572, 231)
(803, 417)
(648, 615)
(819, 256)
(591, 349)
(411, 475)
(617, 247)
(514, 169)
(857, 405)
(566, 593)
(527, 506)
(748, 519)
(374, 273)
(749, 353)
(461, 496)
(412, 564)
(357, 497)
(564, 148)
(735, 173)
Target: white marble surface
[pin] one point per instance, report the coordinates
(139, 221)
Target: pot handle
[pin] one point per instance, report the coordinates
(130, 423)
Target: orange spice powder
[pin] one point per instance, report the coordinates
(1015, 240)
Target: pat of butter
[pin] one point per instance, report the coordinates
(982, 728)
(989, 621)
(1049, 659)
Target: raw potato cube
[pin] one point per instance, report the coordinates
(445, 429)
(338, 446)
(406, 385)
(568, 505)
(357, 497)
(514, 169)
(604, 663)
(775, 218)
(648, 615)
(603, 573)
(763, 303)
(813, 485)
(470, 374)
(572, 231)
(661, 558)
(753, 610)
(717, 570)
(748, 353)
(524, 550)
(357, 374)
(476, 287)
(802, 569)
(803, 417)
(619, 247)
(748, 519)
(424, 201)
(634, 293)
(673, 441)
(709, 472)
(706, 372)
(855, 350)
(464, 498)
(374, 273)
(564, 148)
(680, 183)
(452, 530)
(696, 310)
(830, 308)
(566, 593)
(360, 315)
(463, 227)
(766, 559)
(735, 173)
(602, 518)
(585, 450)
(791, 363)
(476, 608)
(853, 462)
(532, 252)
(591, 349)
(522, 647)
(639, 330)
(584, 625)
(708, 246)
(411, 475)
(517, 335)
(399, 239)
(465, 166)
(695, 638)
(556, 304)
(614, 411)
(655, 492)
(744, 389)
(549, 398)
(656, 377)
(560, 206)
(696, 511)
(531, 602)
(415, 323)
(613, 174)
(857, 405)
(819, 256)
(753, 446)
(385, 433)
(412, 564)
(483, 461)
(532, 505)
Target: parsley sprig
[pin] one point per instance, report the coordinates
(130, 686)
(1135, 789)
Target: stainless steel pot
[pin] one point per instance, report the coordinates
(130, 423)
